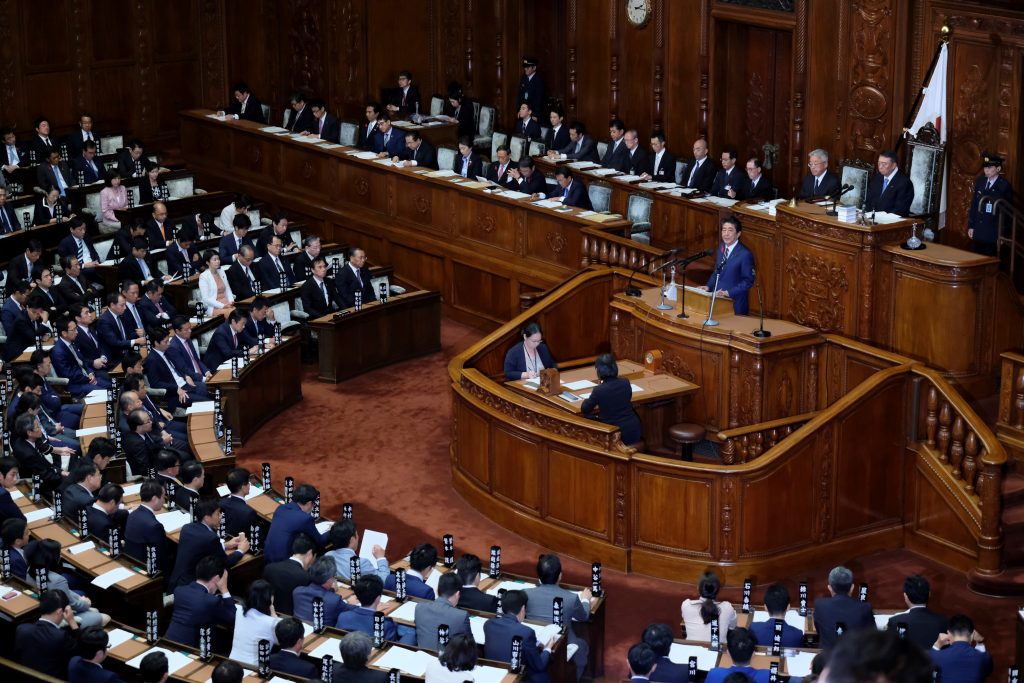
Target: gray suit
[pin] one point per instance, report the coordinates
(539, 608)
(430, 615)
(76, 497)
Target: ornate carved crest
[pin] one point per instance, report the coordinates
(556, 241)
(361, 186)
(486, 223)
(678, 367)
(422, 203)
(816, 288)
(307, 170)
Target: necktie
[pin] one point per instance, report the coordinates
(145, 269)
(159, 308)
(885, 184)
(88, 136)
(403, 97)
(323, 290)
(6, 221)
(191, 353)
(163, 235)
(120, 327)
(565, 192)
(59, 178)
(817, 183)
(75, 354)
(387, 136)
(358, 277)
(81, 250)
(85, 331)
(234, 340)
(135, 315)
(579, 144)
(277, 264)
(321, 131)
(12, 154)
(693, 173)
(248, 274)
(465, 167)
(989, 185)
(81, 289)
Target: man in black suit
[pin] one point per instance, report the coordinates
(290, 573)
(325, 126)
(468, 568)
(35, 454)
(923, 626)
(497, 172)
(203, 601)
(241, 277)
(659, 638)
(531, 87)
(302, 264)
(260, 321)
(840, 608)
(368, 131)
(228, 340)
(140, 448)
(76, 141)
(158, 232)
(558, 135)
(137, 266)
(290, 634)
(279, 227)
(635, 160)
(130, 163)
(42, 144)
(417, 152)
(43, 645)
(661, 167)
(500, 631)
(246, 106)
(192, 477)
(106, 513)
(74, 289)
(459, 110)
(272, 267)
(11, 157)
(76, 243)
(199, 539)
(573, 192)
(182, 252)
(301, 120)
(468, 163)
(28, 324)
(53, 172)
(617, 147)
(405, 99)
(318, 293)
(701, 172)
(354, 277)
(238, 516)
(758, 187)
(85, 168)
(87, 665)
(80, 488)
(387, 142)
(730, 181)
(526, 126)
(819, 182)
(580, 147)
(889, 190)
(142, 529)
(524, 178)
(355, 650)
(8, 219)
(155, 308)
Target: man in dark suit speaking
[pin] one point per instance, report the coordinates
(733, 275)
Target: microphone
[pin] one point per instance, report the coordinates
(834, 197)
(630, 290)
(760, 332)
(698, 256)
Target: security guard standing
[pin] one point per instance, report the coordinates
(531, 87)
(982, 223)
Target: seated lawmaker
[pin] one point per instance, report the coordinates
(198, 540)
(322, 584)
(184, 353)
(9, 477)
(776, 602)
(497, 172)
(274, 271)
(344, 538)
(611, 401)
(468, 163)
(205, 601)
(417, 152)
(573, 192)
(76, 243)
(459, 110)
(759, 188)
(642, 660)
(255, 621)
(662, 165)
(354, 277)
(290, 520)
(730, 181)
(576, 606)
(34, 453)
(290, 573)
(238, 516)
(430, 615)
(500, 631)
(388, 143)
(290, 638)
(139, 266)
(422, 561)
(698, 614)
(213, 285)
(581, 147)
(368, 590)
(183, 252)
(526, 359)
(67, 362)
(233, 241)
(959, 654)
(260, 321)
(45, 645)
(820, 182)
(318, 293)
(241, 274)
(659, 638)
(889, 190)
(734, 270)
(182, 390)
(525, 178)
(740, 644)
(455, 661)
(246, 106)
(227, 340)
(468, 568)
(840, 607)
(154, 307)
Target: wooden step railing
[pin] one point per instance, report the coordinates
(744, 444)
(603, 248)
(1010, 423)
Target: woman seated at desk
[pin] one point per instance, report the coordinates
(213, 286)
(526, 359)
(611, 401)
(150, 189)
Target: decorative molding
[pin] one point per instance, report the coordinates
(556, 241)
(871, 76)
(824, 458)
(816, 290)
(728, 504)
(144, 63)
(621, 493)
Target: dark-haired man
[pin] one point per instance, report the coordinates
(199, 540)
(289, 521)
(923, 625)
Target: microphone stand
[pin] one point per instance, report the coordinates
(635, 291)
(682, 299)
(760, 332)
(663, 306)
(710, 322)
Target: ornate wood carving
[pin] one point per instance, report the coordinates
(212, 57)
(728, 504)
(816, 291)
(144, 64)
(873, 51)
(307, 64)
(620, 503)
(556, 241)
(825, 464)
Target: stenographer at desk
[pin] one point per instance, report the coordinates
(611, 401)
(526, 359)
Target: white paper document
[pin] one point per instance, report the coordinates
(680, 654)
(549, 204)
(635, 388)
(512, 194)
(36, 515)
(603, 171)
(175, 660)
(370, 539)
(116, 636)
(223, 491)
(132, 489)
(324, 526)
(581, 384)
(488, 674)
(628, 178)
(274, 129)
(201, 406)
(799, 664)
(793, 618)
(510, 586)
(81, 547)
(328, 647)
(405, 612)
(545, 632)
(173, 520)
(443, 173)
(580, 165)
(88, 431)
(365, 155)
(476, 625)
(108, 579)
(412, 662)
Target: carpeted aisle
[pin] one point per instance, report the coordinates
(381, 442)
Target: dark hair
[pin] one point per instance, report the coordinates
(278, 216)
(240, 86)
(190, 471)
(467, 141)
(83, 469)
(260, 597)
(731, 218)
(137, 243)
(151, 488)
(288, 631)
(297, 97)
(51, 600)
(513, 601)
(135, 143)
(154, 286)
(166, 459)
(414, 135)
(740, 644)
(157, 334)
(302, 544)
(530, 329)
(872, 655)
(227, 671)
(776, 598)
(6, 465)
(341, 533)
(525, 162)
(375, 106)
(641, 659)
(959, 624)
(237, 479)
(110, 493)
(241, 222)
(460, 653)
(563, 172)
(917, 589)
(154, 666)
(606, 367)
(235, 316)
(405, 74)
(422, 556)
(659, 637)
(38, 356)
(109, 182)
(660, 135)
(40, 121)
(206, 506)
(43, 554)
(209, 567)
(708, 587)
(755, 161)
(731, 151)
(578, 127)
(178, 322)
(91, 640)
(305, 493)
(368, 588)
(617, 124)
(468, 567)
(549, 568)
(317, 103)
(12, 530)
(209, 254)
(28, 401)
(260, 302)
(890, 155)
(136, 418)
(448, 585)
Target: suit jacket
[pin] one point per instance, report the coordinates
(156, 237)
(76, 497)
(83, 671)
(666, 170)
(613, 399)
(8, 508)
(285, 576)
(394, 144)
(361, 619)
(158, 372)
(302, 266)
(840, 608)
(113, 343)
(540, 605)
(44, 647)
(897, 198)
(498, 635)
(737, 276)
(130, 269)
(475, 168)
(720, 673)
(31, 461)
(10, 313)
(960, 663)
(534, 185)
(126, 166)
(239, 517)
(87, 343)
(13, 223)
(414, 586)
(704, 177)
(302, 121)
(791, 636)
(255, 328)
(331, 130)
(367, 140)
(140, 450)
(476, 599)
(575, 195)
(69, 247)
(289, 520)
(498, 175)
(228, 247)
(289, 663)
(142, 530)
(347, 285)
(425, 156)
(176, 260)
(763, 190)
(253, 109)
(463, 117)
(195, 542)
(302, 603)
(42, 214)
(222, 347)
(313, 301)
(73, 292)
(240, 284)
(405, 101)
(430, 615)
(182, 362)
(980, 218)
(75, 141)
(614, 156)
(584, 149)
(736, 178)
(46, 175)
(828, 185)
(92, 173)
(531, 90)
(529, 129)
(923, 625)
(637, 162)
(268, 274)
(151, 316)
(515, 360)
(194, 608)
(100, 522)
(668, 671)
(559, 140)
(21, 336)
(343, 674)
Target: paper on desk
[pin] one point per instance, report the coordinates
(384, 162)
(434, 579)
(603, 171)
(274, 129)
(488, 674)
(324, 526)
(584, 214)
(412, 662)
(16, 494)
(510, 586)
(173, 520)
(254, 491)
(580, 384)
(370, 539)
(793, 618)
(132, 489)
(405, 612)
(882, 621)
(65, 462)
(512, 194)
(680, 654)
(201, 406)
(548, 204)
(635, 388)
(434, 123)
(116, 636)
(545, 632)
(333, 145)
(108, 579)
(799, 664)
(476, 625)
(365, 155)
(36, 515)
(81, 547)
(175, 660)
(215, 116)
(655, 185)
(90, 430)
(331, 647)
(628, 178)
(884, 217)
(97, 393)
(586, 395)
(443, 173)
(570, 650)
(580, 165)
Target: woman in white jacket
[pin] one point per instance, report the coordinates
(213, 286)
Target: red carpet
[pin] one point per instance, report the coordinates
(381, 442)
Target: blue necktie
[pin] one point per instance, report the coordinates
(885, 184)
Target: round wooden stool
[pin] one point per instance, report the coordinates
(685, 435)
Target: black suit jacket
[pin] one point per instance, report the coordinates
(292, 664)
(476, 165)
(528, 129)
(638, 162)
(923, 625)
(80, 165)
(129, 269)
(69, 247)
(143, 530)
(332, 128)
(44, 647)
(195, 542)
(13, 222)
(285, 576)
(666, 170)
(735, 178)
(533, 185)
(476, 599)
(499, 178)
(31, 462)
(347, 285)
(239, 517)
(253, 109)
(840, 608)
(896, 199)
(141, 450)
(411, 99)
(269, 276)
(126, 166)
(614, 156)
(366, 140)
(425, 156)
(75, 141)
(587, 150)
(557, 141)
(763, 189)
(704, 177)
(42, 215)
(313, 301)
(302, 122)
(828, 185)
(239, 282)
(41, 148)
(531, 90)
(71, 292)
(176, 261)
(343, 674)
(578, 195)
(21, 337)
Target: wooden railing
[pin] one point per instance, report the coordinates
(602, 248)
(743, 444)
(1010, 423)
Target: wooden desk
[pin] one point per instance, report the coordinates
(354, 342)
(438, 134)
(268, 384)
(179, 208)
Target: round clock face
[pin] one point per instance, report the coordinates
(649, 358)
(638, 11)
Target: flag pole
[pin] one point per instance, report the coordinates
(943, 40)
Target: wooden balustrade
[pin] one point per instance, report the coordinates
(603, 248)
(746, 443)
(1010, 424)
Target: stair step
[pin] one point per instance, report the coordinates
(1008, 583)
(1013, 518)
(1013, 489)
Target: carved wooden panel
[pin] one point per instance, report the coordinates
(761, 534)
(676, 511)
(518, 472)
(578, 493)
(481, 292)
(473, 434)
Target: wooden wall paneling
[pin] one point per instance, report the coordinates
(253, 51)
(579, 494)
(634, 90)
(682, 78)
(677, 510)
(518, 470)
(761, 535)
(594, 55)
(400, 37)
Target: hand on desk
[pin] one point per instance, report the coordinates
(721, 292)
(529, 374)
(182, 395)
(239, 543)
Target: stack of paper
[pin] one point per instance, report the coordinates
(512, 194)
(370, 539)
(365, 155)
(602, 171)
(274, 129)
(412, 662)
(680, 654)
(173, 520)
(175, 660)
(405, 612)
(200, 407)
(328, 647)
(89, 431)
(443, 173)
(548, 204)
(36, 515)
(109, 578)
(799, 664)
(254, 491)
(846, 214)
